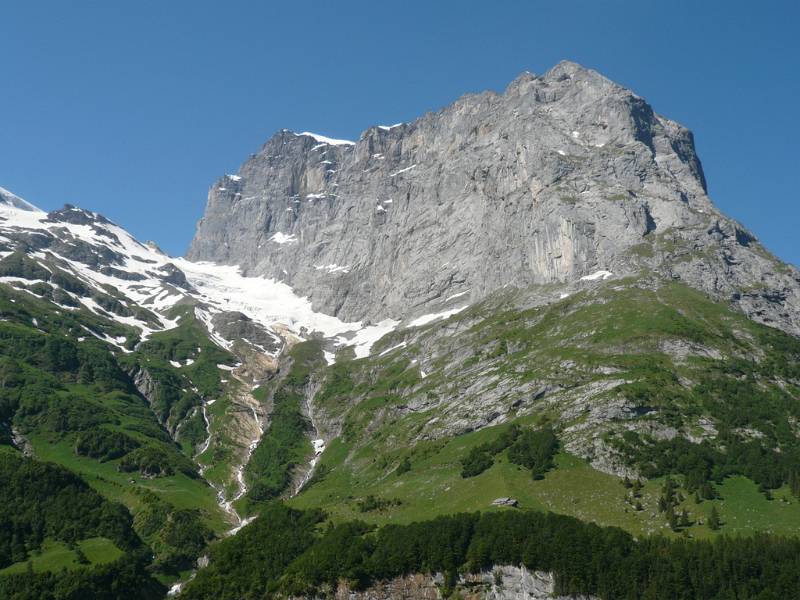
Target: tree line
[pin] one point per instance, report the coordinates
(291, 552)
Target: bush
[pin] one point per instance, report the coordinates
(150, 462)
(104, 445)
(535, 450)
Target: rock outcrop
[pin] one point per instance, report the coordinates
(561, 176)
(501, 583)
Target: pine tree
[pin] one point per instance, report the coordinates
(794, 484)
(672, 519)
(685, 518)
(713, 519)
(404, 466)
(707, 492)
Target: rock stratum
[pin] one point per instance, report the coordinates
(561, 176)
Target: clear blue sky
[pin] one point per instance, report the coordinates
(134, 108)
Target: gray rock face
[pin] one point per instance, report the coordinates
(558, 177)
(505, 502)
(501, 583)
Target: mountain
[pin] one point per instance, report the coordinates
(524, 305)
(141, 302)
(139, 373)
(561, 176)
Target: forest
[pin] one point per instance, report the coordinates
(307, 554)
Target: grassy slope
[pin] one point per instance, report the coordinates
(201, 379)
(179, 490)
(119, 409)
(55, 556)
(622, 327)
(434, 487)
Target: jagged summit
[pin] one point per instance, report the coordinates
(563, 175)
(569, 68)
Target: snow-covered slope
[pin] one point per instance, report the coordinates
(273, 304)
(137, 284)
(8, 199)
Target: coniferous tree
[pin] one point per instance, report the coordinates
(713, 519)
(672, 519)
(684, 519)
(794, 484)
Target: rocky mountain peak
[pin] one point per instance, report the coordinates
(76, 216)
(561, 176)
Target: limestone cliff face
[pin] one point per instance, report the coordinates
(502, 583)
(558, 177)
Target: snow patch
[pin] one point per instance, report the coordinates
(332, 268)
(364, 338)
(597, 275)
(117, 341)
(396, 173)
(283, 238)
(326, 140)
(393, 348)
(425, 319)
(454, 296)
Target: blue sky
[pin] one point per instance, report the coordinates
(134, 108)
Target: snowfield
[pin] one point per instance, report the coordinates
(272, 303)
